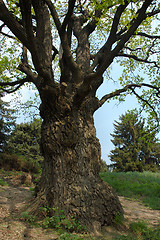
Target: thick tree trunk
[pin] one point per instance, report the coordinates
(70, 178)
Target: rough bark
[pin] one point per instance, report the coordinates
(70, 178)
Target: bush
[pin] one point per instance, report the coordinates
(67, 236)
(104, 167)
(19, 163)
(59, 221)
(28, 218)
(3, 183)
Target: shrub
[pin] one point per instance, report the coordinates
(19, 163)
(3, 183)
(67, 236)
(28, 218)
(55, 218)
(104, 167)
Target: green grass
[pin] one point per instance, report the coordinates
(3, 183)
(143, 186)
(140, 231)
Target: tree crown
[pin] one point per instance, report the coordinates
(91, 35)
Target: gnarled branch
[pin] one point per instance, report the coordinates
(16, 28)
(125, 89)
(137, 59)
(147, 102)
(64, 39)
(4, 85)
(147, 35)
(111, 39)
(106, 55)
(71, 4)
(54, 14)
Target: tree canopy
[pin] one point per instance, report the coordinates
(125, 31)
(136, 145)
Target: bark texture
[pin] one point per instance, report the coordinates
(70, 178)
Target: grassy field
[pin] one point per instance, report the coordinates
(142, 186)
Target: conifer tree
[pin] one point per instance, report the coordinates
(25, 140)
(136, 146)
(7, 122)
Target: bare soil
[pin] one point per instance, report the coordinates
(15, 197)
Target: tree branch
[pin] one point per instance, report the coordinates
(24, 67)
(64, 39)
(24, 31)
(153, 13)
(125, 89)
(12, 84)
(5, 34)
(43, 40)
(146, 102)
(108, 56)
(147, 35)
(16, 28)
(54, 14)
(12, 90)
(112, 37)
(90, 27)
(71, 4)
(137, 59)
(55, 52)
(119, 34)
(25, 6)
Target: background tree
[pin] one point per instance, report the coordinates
(7, 122)
(25, 142)
(91, 35)
(136, 146)
(156, 152)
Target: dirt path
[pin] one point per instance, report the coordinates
(135, 210)
(13, 199)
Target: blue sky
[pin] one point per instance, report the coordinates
(105, 116)
(104, 119)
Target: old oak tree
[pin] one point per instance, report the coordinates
(91, 35)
